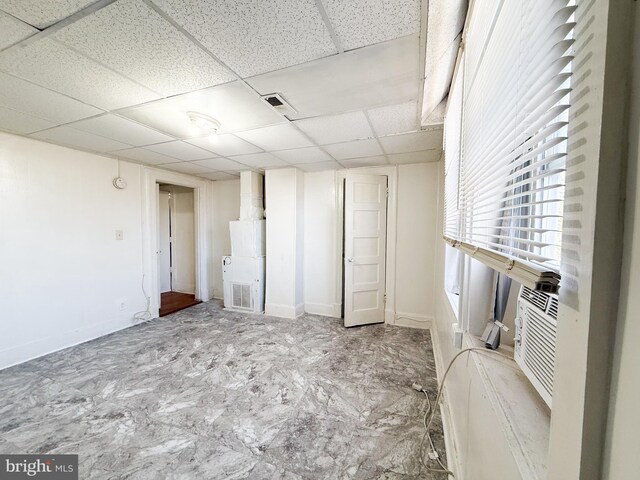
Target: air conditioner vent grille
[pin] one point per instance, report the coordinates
(553, 307)
(539, 351)
(539, 299)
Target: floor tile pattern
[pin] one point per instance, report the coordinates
(212, 394)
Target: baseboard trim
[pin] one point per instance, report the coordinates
(450, 439)
(324, 309)
(413, 320)
(45, 346)
(283, 311)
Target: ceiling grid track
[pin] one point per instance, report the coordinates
(50, 30)
(327, 22)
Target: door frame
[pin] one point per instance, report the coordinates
(391, 172)
(202, 198)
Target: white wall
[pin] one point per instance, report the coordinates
(320, 244)
(183, 222)
(621, 449)
(284, 195)
(414, 243)
(63, 273)
(64, 278)
(225, 208)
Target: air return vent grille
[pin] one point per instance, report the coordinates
(241, 293)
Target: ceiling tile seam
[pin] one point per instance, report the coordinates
(79, 52)
(332, 32)
(366, 115)
(29, 114)
(316, 144)
(422, 59)
(141, 124)
(21, 21)
(51, 29)
(56, 92)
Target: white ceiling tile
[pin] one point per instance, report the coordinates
(180, 150)
(145, 156)
(373, 76)
(220, 163)
(234, 105)
(120, 129)
(77, 138)
(359, 148)
(18, 122)
(259, 160)
(394, 119)
(365, 22)
(219, 176)
(319, 167)
(416, 157)
(13, 30)
(303, 155)
(58, 68)
(225, 145)
(276, 137)
(364, 162)
(134, 40)
(412, 142)
(252, 36)
(32, 99)
(42, 13)
(186, 167)
(337, 128)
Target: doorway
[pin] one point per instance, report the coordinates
(364, 249)
(176, 248)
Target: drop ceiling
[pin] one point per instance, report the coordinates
(117, 77)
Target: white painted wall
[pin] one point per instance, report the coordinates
(320, 244)
(284, 196)
(63, 273)
(183, 223)
(225, 208)
(621, 460)
(415, 243)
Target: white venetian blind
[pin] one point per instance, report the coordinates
(514, 133)
(452, 137)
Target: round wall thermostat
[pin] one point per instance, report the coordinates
(120, 183)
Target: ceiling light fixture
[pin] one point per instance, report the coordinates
(201, 124)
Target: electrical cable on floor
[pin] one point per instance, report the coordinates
(145, 315)
(431, 412)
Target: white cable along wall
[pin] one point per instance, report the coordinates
(513, 138)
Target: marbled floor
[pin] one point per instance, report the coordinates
(207, 394)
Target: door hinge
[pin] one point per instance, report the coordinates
(384, 299)
(387, 192)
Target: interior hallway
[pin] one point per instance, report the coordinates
(206, 393)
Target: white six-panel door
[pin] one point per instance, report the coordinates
(365, 233)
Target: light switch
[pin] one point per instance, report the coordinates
(119, 235)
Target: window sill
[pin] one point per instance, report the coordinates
(523, 415)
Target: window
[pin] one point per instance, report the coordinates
(506, 138)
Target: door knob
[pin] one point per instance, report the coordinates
(350, 259)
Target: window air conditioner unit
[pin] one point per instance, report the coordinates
(535, 341)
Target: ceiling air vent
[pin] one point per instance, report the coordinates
(280, 104)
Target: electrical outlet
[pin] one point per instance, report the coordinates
(119, 235)
(122, 304)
